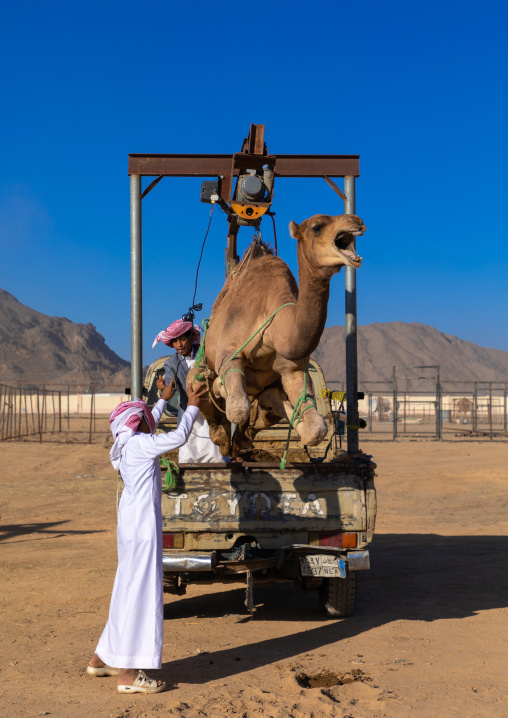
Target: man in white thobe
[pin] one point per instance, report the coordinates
(132, 638)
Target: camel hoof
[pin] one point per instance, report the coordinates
(312, 429)
(238, 409)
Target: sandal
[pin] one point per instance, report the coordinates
(102, 671)
(142, 684)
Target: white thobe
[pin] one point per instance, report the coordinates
(132, 637)
(199, 448)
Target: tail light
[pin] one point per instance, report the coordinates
(172, 540)
(336, 540)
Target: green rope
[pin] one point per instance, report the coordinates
(172, 472)
(232, 369)
(201, 350)
(223, 374)
(223, 378)
(288, 304)
(298, 413)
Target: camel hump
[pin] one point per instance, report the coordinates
(258, 249)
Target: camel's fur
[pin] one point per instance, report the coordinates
(271, 377)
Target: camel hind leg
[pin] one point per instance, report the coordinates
(312, 427)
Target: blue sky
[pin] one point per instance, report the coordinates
(417, 89)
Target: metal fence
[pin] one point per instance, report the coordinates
(29, 412)
(65, 412)
(416, 403)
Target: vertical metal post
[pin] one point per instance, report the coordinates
(232, 258)
(39, 414)
(26, 414)
(136, 290)
(439, 408)
(9, 415)
(2, 413)
(32, 410)
(92, 406)
(351, 335)
(490, 410)
(20, 417)
(405, 411)
(45, 409)
(504, 406)
(395, 402)
(474, 413)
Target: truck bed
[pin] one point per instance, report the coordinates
(217, 503)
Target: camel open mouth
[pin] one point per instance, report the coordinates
(344, 243)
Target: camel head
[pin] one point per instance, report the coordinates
(328, 242)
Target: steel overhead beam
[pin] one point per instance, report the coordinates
(216, 165)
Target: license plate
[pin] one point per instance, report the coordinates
(323, 566)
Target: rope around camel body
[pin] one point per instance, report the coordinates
(200, 356)
(223, 374)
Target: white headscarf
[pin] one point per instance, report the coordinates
(124, 421)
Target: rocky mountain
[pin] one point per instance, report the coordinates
(40, 349)
(381, 346)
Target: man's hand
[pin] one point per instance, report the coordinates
(196, 396)
(166, 391)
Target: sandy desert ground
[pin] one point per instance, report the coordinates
(428, 638)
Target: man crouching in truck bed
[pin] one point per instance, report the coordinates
(184, 338)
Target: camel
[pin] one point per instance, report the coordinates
(264, 381)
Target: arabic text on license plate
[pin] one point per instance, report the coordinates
(323, 566)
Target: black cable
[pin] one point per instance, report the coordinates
(201, 256)
(272, 215)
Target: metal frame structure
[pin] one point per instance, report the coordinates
(227, 167)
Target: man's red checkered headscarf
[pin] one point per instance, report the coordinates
(175, 330)
(125, 421)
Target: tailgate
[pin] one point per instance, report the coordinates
(253, 498)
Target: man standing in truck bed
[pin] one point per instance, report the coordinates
(184, 337)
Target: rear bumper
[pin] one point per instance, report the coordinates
(179, 561)
(207, 561)
(358, 560)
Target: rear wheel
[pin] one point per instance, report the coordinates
(338, 595)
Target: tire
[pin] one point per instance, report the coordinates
(338, 595)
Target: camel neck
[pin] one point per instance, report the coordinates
(312, 305)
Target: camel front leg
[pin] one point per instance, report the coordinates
(312, 427)
(231, 386)
(206, 406)
(220, 431)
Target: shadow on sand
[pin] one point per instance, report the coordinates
(10, 531)
(420, 577)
